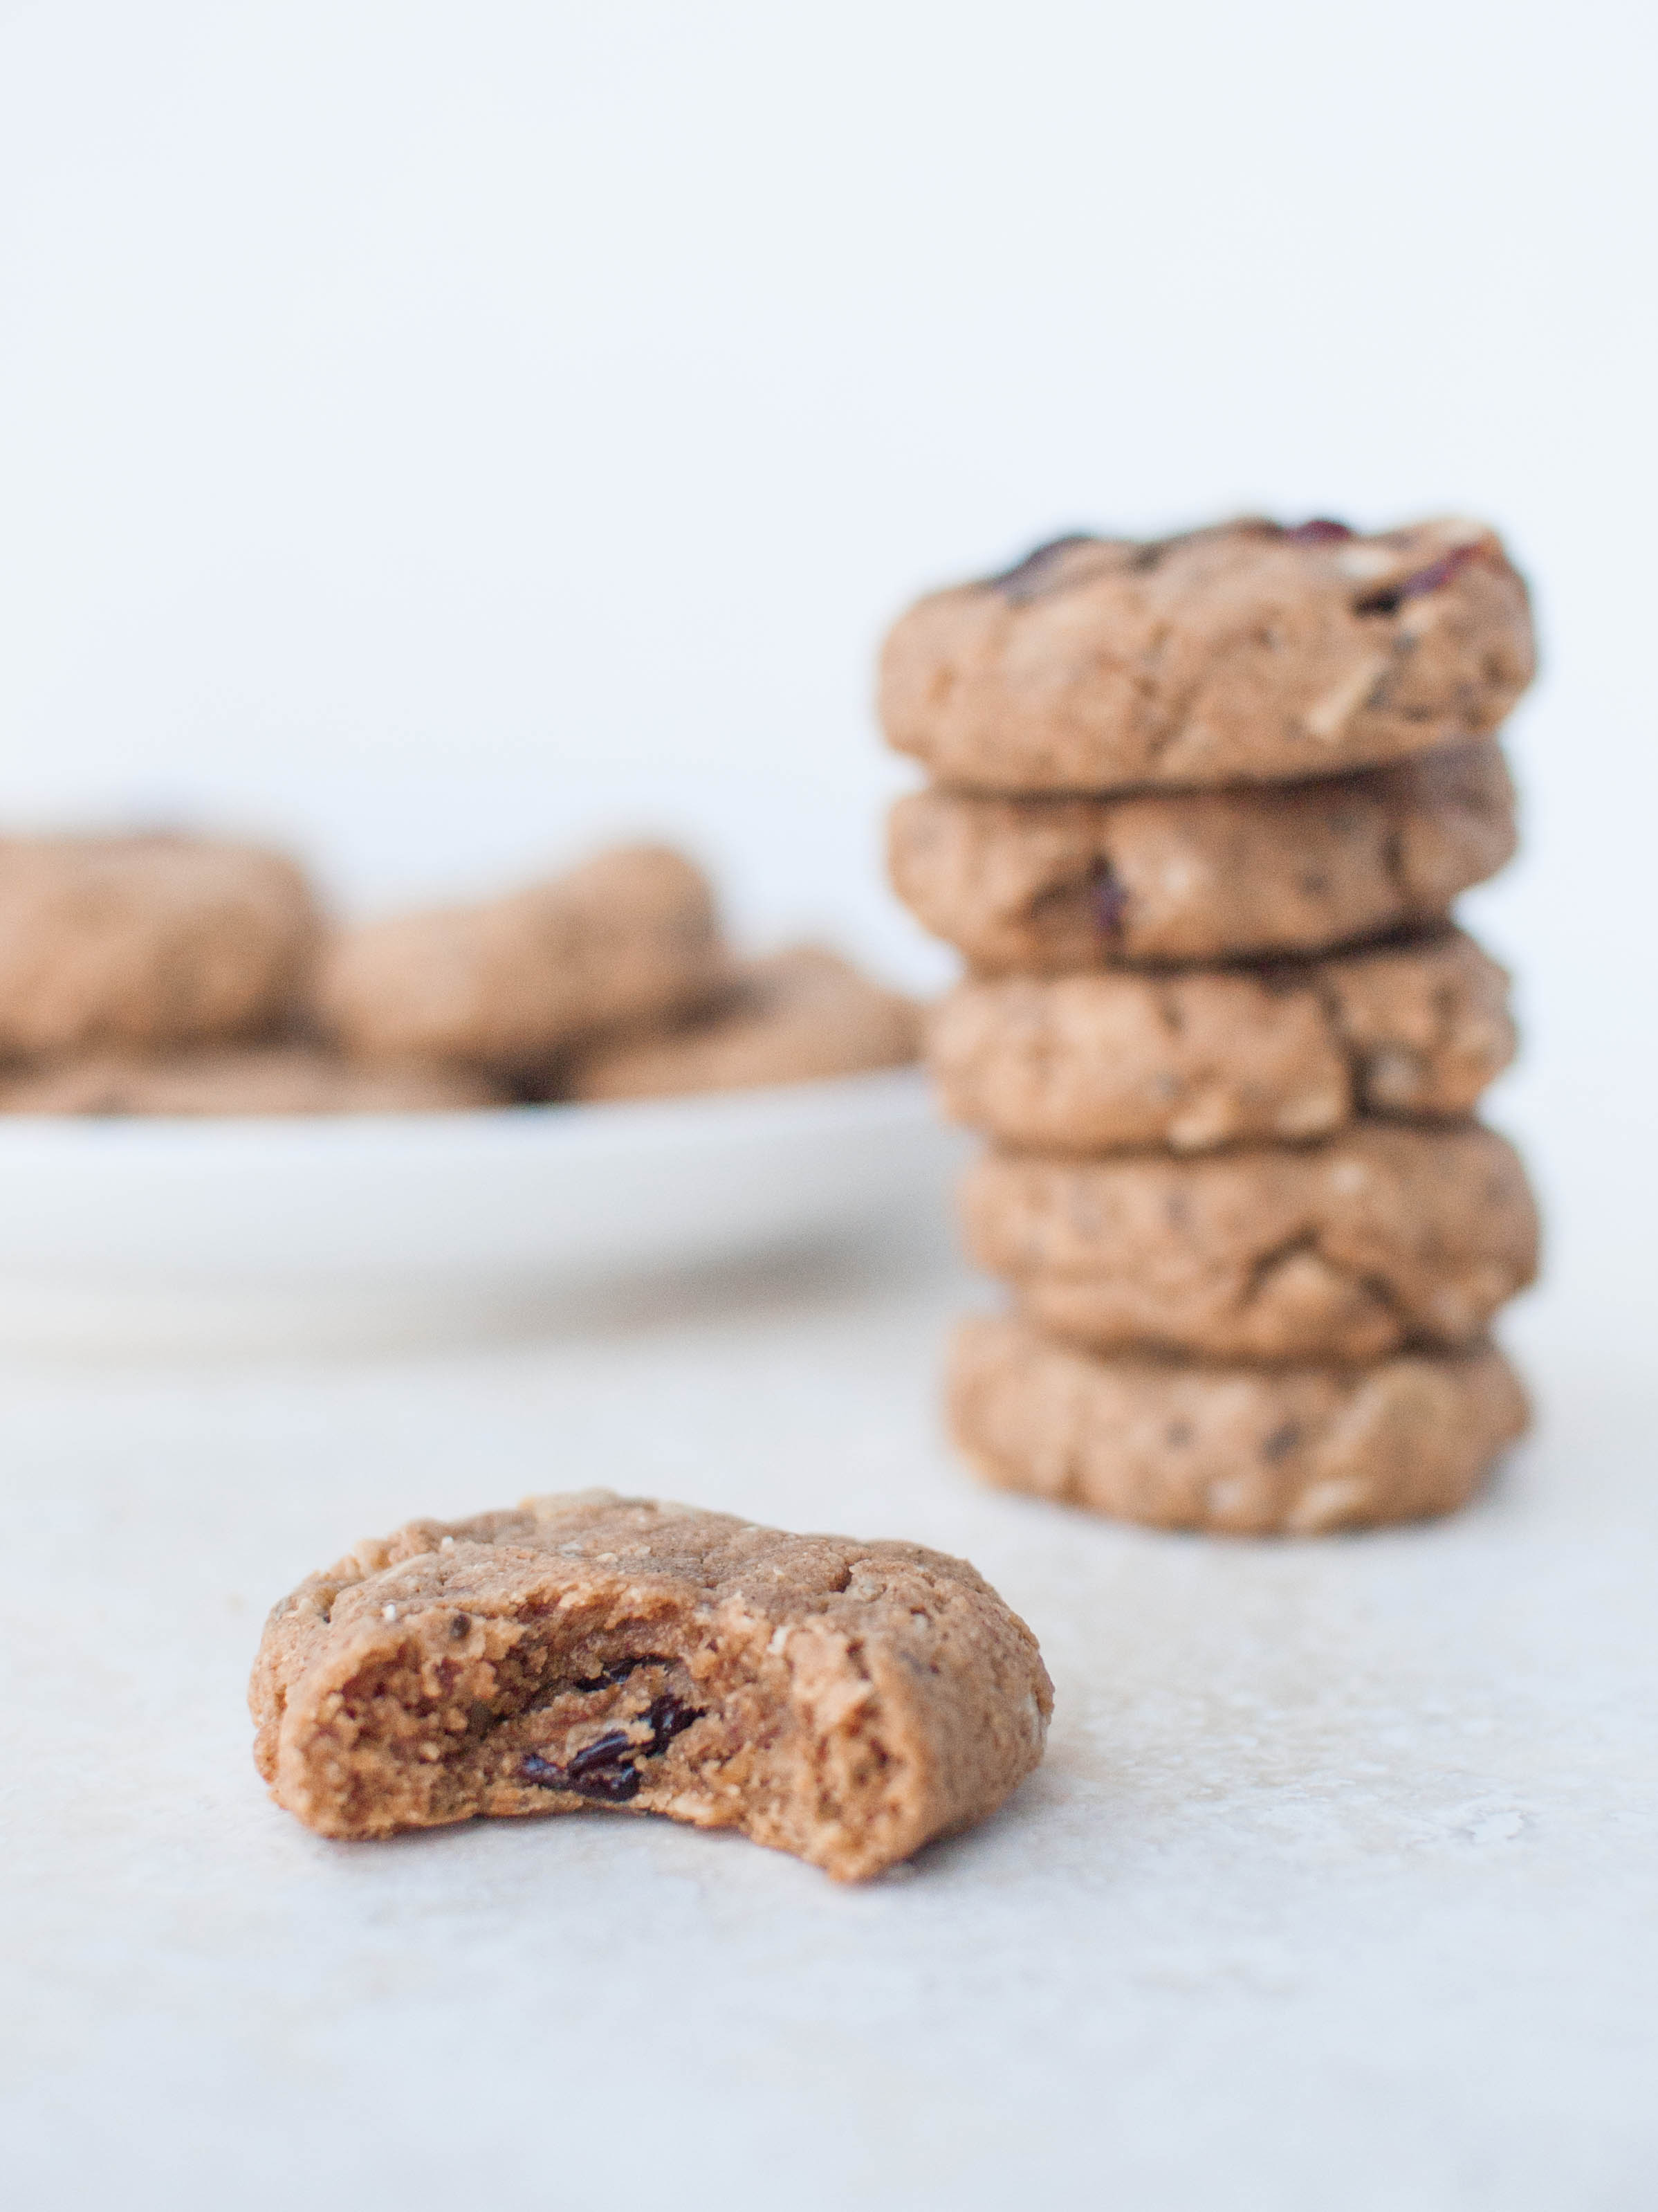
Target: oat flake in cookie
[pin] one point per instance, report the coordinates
(843, 1701)
(1246, 654)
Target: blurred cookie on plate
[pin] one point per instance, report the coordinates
(147, 942)
(290, 1079)
(629, 936)
(797, 1015)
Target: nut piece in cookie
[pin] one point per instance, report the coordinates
(1381, 1238)
(273, 1079)
(1059, 886)
(147, 942)
(631, 936)
(845, 1702)
(1241, 654)
(1192, 1060)
(799, 1014)
(1245, 1451)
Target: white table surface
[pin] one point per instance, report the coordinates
(1336, 1888)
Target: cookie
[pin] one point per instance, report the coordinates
(273, 1079)
(1371, 1242)
(631, 936)
(1099, 1063)
(800, 1014)
(1243, 654)
(1056, 886)
(147, 942)
(845, 1702)
(1245, 1451)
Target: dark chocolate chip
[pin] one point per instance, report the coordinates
(459, 1626)
(1416, 587)
(1028, 579)
(1281, 1441)
(1321, 530)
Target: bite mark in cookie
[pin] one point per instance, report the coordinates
(847, 1702)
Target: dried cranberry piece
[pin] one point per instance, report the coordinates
(1321, 530)
(1110, 902)
(669, 1716)
(602, 1769)
(1437, 572)
(606, 1768)
(1027, 579)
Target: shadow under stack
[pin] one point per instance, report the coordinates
(1199, 811)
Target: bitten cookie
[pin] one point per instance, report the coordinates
(147, 942)
(1053, 886)
(631, 936)
(1100, 1063)
(799, 1014)
(1378, 1239)
(1247, 1451)
(279, 1079)
(1241, 654)
(845, 1702)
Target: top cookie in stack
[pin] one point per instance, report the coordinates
(1200, 810)
(1246, 654)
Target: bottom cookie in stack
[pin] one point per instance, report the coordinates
(1181, 1443)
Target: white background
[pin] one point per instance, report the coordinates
(447, 432)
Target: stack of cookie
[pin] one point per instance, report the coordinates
(1199, 811)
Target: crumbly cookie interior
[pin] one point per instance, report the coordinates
(842, 1702)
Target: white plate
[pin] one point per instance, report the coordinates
(178, 1230)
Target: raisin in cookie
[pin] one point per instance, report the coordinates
(845, 1702)
(275, 1080)
(631, 936)
(799, 1014)
(1056, 886)
(1245, 1451)
(1378, 1239)
(1101, 1063)
(1246, 653)
(146, 942)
